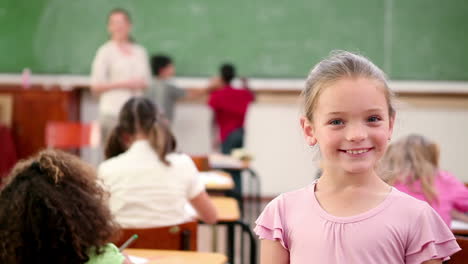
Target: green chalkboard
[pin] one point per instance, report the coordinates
(417, 39)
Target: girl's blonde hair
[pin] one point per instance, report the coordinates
(412, 158)
(341, 64)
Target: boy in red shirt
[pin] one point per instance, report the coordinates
(230, 106)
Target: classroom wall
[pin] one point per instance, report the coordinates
(282, 158)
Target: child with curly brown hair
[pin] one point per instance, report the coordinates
(52, 210)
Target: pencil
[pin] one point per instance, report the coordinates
(128, 242)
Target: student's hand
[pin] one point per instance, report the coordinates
(127, 259)
(245, 82)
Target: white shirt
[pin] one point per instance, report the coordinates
(111, 64)
(144, 192)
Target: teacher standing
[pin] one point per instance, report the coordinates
(119, 71)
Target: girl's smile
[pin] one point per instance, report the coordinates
(356, 152)
(352, 136)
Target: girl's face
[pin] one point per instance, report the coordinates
(351, 125)
(119, 26)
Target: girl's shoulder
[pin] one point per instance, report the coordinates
(447, 177)
(106, 47)
(110, 255)
(406, 202)
(179, 158)
(293, 198)
(111, 163)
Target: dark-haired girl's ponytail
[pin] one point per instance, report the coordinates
(114, 144)
(162, 140)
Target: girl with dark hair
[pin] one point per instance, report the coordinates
(52, 210)
(149, 183)
(119, 71)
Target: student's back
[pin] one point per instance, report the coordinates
(149, 183)
(230, 107)
(452, 194)
(146, 192)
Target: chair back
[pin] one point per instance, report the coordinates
(71, 135)
(176, 237)
(461, 257)
(201, 162)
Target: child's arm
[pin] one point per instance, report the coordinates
(127, 259)
(205, 208)
(272, 252)
(457, 215)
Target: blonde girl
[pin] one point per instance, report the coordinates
(350, 215)
(412, 166)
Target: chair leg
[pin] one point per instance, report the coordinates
(186, 240)
(230, 243)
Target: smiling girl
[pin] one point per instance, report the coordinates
(350, 215)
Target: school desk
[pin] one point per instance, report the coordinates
(235, 166)
(459, 228)
(216, 180)
(221, 161)
(227, 208)
(176, 257)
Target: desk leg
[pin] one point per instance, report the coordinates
(230, 242)
(214, 239)
(237, 191)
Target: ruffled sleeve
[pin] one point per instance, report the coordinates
(271, 225)
(429, 238)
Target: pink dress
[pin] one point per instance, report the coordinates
(401, 229)
(452, 194)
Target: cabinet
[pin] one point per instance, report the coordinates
(33, 108)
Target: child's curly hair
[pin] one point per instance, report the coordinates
(52, 210)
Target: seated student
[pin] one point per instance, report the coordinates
(149, 183)
(163, 91)
(52, 210)
(230, 107)
(412, 165)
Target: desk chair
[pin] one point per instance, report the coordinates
(461, 257)
(71, 135)
(201, 162)
(176, 237)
